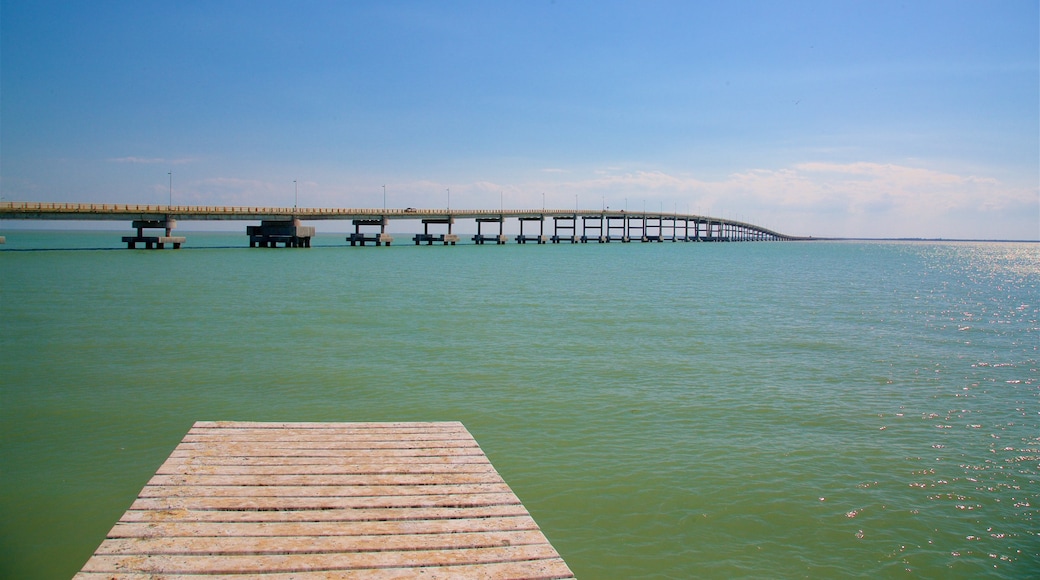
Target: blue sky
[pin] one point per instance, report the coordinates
(836, 118)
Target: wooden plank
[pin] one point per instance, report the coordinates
(357, 458)
(343, 427)
(320, 479)
(326, 500)
(204, 450)
(365, 528)
(312, 425)
(318, 490)
(531, 570)
(346, 444)
(254, 564)
(410, 468)
(323, 435)
(323, 515)
(292, 544)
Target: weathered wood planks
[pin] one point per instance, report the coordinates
(326, 500)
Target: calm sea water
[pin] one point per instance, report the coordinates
(815, 409)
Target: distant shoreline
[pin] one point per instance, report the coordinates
(923, 240)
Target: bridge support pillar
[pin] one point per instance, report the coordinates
(480, 238)
(622, 229)
(573, 227)
(426, 236)
(597, 226)
(270, 233)
(540, 238)
(646, 237)
(359, 237)
(158, 242)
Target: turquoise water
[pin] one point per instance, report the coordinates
(676, 410)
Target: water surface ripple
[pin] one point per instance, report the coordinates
(664, 410)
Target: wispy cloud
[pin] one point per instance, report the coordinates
(861, 187)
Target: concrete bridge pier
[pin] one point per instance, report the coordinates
(708, 229)
(573, 227)
(717, 232)
(623, 228)
(540, 238)
(288, 231)
(359, 237)
(633, 223)
(647, 225)
(597, 226)
(426, 236)
(167, 224)
(480, 237)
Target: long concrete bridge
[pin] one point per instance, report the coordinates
(282, 225)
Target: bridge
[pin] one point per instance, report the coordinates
(283, 225)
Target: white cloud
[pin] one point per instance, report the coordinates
(860, 199)
(871, 199)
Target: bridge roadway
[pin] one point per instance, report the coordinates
(283, 224)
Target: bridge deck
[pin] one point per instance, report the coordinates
(319, 500)
(97, 211)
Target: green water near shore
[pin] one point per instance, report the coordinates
(663, 410)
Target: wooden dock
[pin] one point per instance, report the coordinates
(326, 500)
